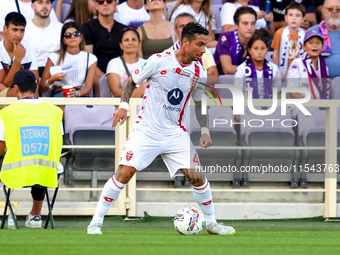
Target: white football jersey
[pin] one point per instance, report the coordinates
(169, 87)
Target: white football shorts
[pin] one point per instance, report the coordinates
(177, 151)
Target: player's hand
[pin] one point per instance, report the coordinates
(19, 52)
(119, 116)
(205, 141)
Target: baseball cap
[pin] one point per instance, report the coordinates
(24, 77)
(312, 33)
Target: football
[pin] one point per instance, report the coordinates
(189, 221)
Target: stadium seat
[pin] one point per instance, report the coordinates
(335, 88)
(104, 90)
(227, 79)
(311, 132)
(216, 10)
(222, 134)
(258, 131)
(89, 125)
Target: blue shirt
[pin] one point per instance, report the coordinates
(332, 61)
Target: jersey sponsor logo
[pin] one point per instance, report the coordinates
(129, 155)
(175, 96)
(164, 72)
(180, 72)
(171, 108)
(136, 71)
(108, 199)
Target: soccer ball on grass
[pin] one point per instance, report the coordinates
(189, 221)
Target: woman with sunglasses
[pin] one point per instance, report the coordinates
(120, 68)
(76, 67)
(201, 10)
(157, 34)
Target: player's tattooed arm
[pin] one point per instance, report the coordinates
(127, 91)
(203, 120)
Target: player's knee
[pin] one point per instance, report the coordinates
(197, 181)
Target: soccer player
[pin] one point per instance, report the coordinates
(172, 77)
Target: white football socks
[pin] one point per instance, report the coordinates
(203, 197)
(109, 195)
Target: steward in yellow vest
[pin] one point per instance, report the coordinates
(31, 131)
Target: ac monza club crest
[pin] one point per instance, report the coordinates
(129, 155)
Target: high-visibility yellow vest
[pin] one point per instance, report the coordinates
(33, 139)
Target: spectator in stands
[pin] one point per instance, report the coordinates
(81, 11)
(310, 71)
(201, 10)
(231, 48)
(13, 55)
(76, 66)
(21, 6)
(278, 8)
(257, 72)
(229, 8)
(47, 30)
(120, 68)
(132, 13)
(330, 28)
(207, 58)
(157, 34)
(102, 37)
(287, 43)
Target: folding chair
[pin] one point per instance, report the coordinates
(50, 205)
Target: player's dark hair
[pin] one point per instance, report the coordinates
(15, 19)
(296, 6)
(192, 29)
(241, 11)
(127, 29)
(29, 85)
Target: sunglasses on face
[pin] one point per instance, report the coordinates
(154, 0)
(75, 34)
(100, 2)
(333, 9)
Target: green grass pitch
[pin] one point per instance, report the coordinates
(156, 235)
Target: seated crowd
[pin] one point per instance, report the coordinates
(102, 40)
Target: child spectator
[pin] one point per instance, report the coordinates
(310, 71)
(257, 72)
(287, 41)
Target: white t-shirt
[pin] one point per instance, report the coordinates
(43, 40)
(240, 77)
(200, 17)
(76, 76)
(26, 101)
(29, 61)
(297, 77)
(227, 15)
(7, 6)
(131, 17)
(167, 92)
(116, 66)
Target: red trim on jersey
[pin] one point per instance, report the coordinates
(116, 183)
(197, 73)
(182, 65)
(201, 188)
